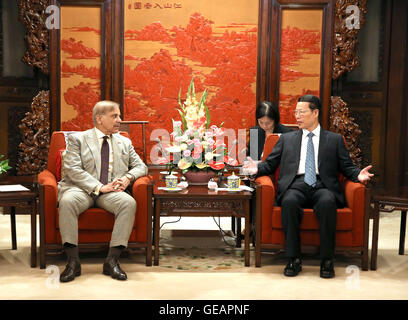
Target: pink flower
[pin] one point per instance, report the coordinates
(198, 148)
(196, 155)
(162, 160)
(219, 132)
(210, 141)
(230, 161)
(186, 153)
(220, 143)
(177, 124)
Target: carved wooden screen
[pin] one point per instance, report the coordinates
(295, 53)
(81, 58)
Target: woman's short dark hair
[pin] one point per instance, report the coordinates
(268, 109)
(314, 102)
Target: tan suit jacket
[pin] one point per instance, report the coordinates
(82, 162)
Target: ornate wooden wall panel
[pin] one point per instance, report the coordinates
(34, 128)
(345, 42)
(81, 56)
(33, 16)
(295, 53)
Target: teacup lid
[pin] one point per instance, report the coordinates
(171, 175)
(233, 177)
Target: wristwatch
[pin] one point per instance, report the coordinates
(130, 177)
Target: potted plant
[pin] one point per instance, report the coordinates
(3, 165)
(198, 148)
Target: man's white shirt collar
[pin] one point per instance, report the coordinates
(316, 131)
(100, 134)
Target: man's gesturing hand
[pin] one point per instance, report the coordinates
(250, 167)
(364, 175)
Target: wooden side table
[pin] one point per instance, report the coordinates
(199, 201)
(397, 199)
(22, 199)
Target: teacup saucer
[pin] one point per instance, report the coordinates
(172, 189)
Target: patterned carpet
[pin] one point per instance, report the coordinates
(199, 259)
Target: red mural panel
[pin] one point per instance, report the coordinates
(222, 62)
(80, 66)
(299, 59)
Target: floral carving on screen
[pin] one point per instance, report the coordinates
(164, 53)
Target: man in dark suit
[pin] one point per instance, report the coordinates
(310, 160)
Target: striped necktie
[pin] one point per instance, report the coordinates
(310, 167)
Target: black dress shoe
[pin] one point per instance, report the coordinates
(72, 270)
(293, 267)
(327, 269)
(112, 268)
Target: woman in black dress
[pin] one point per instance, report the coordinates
(267, 117)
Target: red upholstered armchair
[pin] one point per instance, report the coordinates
(352, 221)
(95, 225)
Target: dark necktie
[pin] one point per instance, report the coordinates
(104, 160)
(310, 167)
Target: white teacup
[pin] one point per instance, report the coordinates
(171, 181)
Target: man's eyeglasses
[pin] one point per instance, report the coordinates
(299, 112)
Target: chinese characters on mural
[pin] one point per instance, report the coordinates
(149, 5)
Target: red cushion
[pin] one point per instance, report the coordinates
(58, 163)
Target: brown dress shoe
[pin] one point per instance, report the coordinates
(112, 268)
(72, 270)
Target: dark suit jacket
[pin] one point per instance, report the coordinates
(257, 131)
(333, 158)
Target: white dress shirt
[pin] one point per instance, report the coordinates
(303, 149)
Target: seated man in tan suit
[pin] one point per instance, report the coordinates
(99, 165)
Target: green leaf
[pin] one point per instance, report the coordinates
(179, 101)
(183, 119)
(4, 165)
(189, 87)
(202, 101)
(208, 117)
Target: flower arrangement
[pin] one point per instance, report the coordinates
(197, 145)
(4, 165)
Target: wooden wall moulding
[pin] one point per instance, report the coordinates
(341, 122)
(345, 40)
(290, 33)
(89, 56)
(35, 134)
(32, 15)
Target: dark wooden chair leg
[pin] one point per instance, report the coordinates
(13, 228)
(42, 226)
(402, 232)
